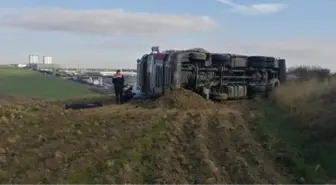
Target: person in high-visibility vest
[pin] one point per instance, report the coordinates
(118, 81)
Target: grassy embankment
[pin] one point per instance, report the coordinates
(300, 128)
(181, 138)
(178, 139)
(23, 82)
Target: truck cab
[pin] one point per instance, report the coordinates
(153, 73)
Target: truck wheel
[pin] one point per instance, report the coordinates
(197, 56)
(257, 62)
(275, 83)
(220, 57)
(218, 96)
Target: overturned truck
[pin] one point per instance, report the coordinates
(224, 76)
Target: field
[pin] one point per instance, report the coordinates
(22, 82)
(179, 138)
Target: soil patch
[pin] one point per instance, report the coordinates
(181, 99)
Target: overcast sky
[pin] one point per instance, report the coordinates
(114, 33)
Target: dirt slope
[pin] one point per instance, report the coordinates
(180, 138)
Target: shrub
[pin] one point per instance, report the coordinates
(308, 72)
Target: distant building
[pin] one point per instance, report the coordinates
(33, 59)
(46, 64)
(47, 60)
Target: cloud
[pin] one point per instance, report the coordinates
(106, 22)
(254, 9)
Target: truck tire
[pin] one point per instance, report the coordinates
(257, 62)
(218, 96)
(197, 56)
(272, 62)
(220, 57)
(274, 83)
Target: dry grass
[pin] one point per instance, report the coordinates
(303, 130)
(155, 142)
(311, 101)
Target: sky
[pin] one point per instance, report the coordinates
(115, 33)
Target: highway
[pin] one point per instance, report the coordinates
(96, 72)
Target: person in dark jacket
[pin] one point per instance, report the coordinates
(118, 81)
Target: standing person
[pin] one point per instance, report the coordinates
(118, 81)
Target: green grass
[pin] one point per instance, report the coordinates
(295, 147)
(23, 82)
